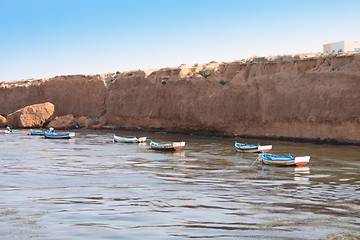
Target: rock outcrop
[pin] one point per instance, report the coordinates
(63, 122)
(32, 116)
(3, 121)
(82, 122)
(303, 96)
(86, 122)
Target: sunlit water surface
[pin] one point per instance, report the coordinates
(91, 188)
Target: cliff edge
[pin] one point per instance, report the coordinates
(310, 96)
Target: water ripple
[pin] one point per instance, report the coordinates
(90, 187)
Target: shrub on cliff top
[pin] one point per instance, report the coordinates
(206, 72)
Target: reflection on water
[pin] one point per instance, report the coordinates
(302, 169)
(89, 187)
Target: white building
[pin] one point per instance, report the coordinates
(343, 46)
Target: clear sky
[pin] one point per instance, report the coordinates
(46, 38)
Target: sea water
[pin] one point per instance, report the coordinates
(92, 188)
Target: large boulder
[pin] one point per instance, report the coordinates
(82, 122)
(31, 116)
(63, 122)
(3, 121)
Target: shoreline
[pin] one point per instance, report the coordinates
(222, 135)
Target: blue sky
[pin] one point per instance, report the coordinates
(46, 38)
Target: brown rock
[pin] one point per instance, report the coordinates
(97, 126)
(31, 116)
(82, 122)
(87, 122)
(3, 121)
(98, 123)
(64, 122)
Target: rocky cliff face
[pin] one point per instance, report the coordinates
(298, 96)
(76, 94)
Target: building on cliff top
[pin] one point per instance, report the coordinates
(342, 46)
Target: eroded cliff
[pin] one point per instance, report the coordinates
(73, 94)
(302, 96)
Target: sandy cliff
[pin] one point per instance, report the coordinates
(74, 94)
(302, 96)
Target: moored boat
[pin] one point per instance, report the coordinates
(167, 146)
(242, 147)
(54, 135)
(129, 139)
(284, 160)
(8, 130)
(37, 132)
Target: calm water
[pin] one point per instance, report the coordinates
(92, 188)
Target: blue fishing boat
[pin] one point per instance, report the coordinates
(242, 147)
(167, 146)
(54, 135)
(284, 160)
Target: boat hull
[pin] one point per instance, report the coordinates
(52, 135)
(245, 148)
(37, 132)
(129, 139)
(284, 160)
(167, 146)
(279, 162)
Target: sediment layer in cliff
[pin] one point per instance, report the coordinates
(301, 96)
